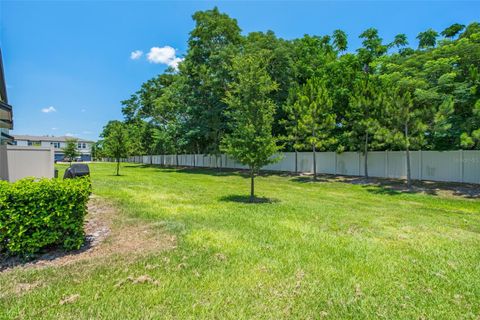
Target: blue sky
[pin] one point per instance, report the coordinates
(68, 64)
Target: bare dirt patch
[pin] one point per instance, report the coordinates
(107, 233)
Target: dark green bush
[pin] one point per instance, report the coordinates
(35, 214)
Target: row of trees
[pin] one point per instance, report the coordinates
(253, 95)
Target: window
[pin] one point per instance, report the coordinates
(82, 145)
(34, 143)
(56, 145)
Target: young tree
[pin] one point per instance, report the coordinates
(292, 123)
(362, 118)
(316, 116)
(70, 151)
(407, 122)
(116, 141)
(252, 112)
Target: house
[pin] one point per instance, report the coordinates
(6, 114)
(84, 147)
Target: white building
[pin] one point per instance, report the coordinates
(84, 147)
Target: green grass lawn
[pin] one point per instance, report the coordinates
(317, 250)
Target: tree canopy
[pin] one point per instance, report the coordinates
(189, 110)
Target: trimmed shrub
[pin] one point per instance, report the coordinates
(35, 214)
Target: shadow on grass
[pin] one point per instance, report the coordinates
(386, 186)
(307, 179)
(246, 199)
(46, 255)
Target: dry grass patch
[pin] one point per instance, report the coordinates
(108, 233)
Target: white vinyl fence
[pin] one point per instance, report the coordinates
(452, 166)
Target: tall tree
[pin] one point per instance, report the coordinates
(316, 116)
(453, 30)
(252, 112)
(427, 39)
(213, 43)
(340, 41)
(116, 142)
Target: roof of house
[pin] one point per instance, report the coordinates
(48, 138)
(3, 87)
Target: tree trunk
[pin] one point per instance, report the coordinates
(252, 185)
(176, 159)
(194, 156)
(407, 149)
(366, 155)
(118, 166)
(314, 163)
(296, 161)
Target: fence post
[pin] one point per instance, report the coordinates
(420, 175)
(462, 169)
(386, 164)
(359, 163)
(335, 165)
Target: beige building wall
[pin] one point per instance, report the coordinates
(17, 162)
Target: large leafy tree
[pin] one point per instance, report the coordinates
(213, 43)
(252, 113)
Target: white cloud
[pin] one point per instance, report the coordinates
(87, 132)
(54, 128)
(70, 134)
(135, 55)
(49, 109)
(174, 63)
(164, 55)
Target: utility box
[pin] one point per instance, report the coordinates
(21, 162)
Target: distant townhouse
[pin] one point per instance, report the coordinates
(84, 147)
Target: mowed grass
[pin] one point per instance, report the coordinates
(324, 250)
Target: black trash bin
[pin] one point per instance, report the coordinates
(76, 170)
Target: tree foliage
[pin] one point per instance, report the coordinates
(352, 100)
(116, 141)
(71, 151)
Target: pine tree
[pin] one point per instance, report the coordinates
(316, 117)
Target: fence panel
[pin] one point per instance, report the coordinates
(454, 166)
(442, 166)
(471, 166)
(325, 162)
(348, 163)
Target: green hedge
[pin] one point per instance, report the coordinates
(35, 214)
